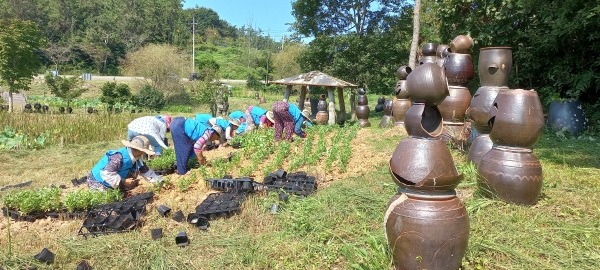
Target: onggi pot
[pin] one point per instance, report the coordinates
(428, 84)
(399, 109)
(427, 231)
(401, 90)
(454, 106)
(494, 66)
(567, 114)
(403, 72)
(480, 146)
(459, 69)
(479, 108)
(512, 174)
(516, 118)
(423, 121)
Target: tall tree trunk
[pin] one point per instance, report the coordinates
(415, 39)
(10, 101)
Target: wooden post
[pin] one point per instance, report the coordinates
(286, 95)
(62, 141)
(342, 117)
(302, 98)
(353, 104)
(331, 106)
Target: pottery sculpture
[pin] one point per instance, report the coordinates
(423, 121)
(516, 118)
(480, 146)
(428, 84)
(322, 115)
(362, 109)
(387, 119)
(379, 106)
(567, 114)
(428, 52)
(495, 64)
(511, 174)
(454, 107)
(461, 44)
(459, 69)
(399, 109)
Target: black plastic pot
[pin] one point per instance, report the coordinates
(181, 239)
(45, 256)
(283, 197)
(84, 265)
(281, 173)
(193, 218)
(178, 216)
(163, 210)
(269, 179)
(202, 223)
(156, 233)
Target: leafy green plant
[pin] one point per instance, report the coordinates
(113, 93)
(31, 201)
(84, 199)
(65, 88)
(165, 161)
(150, 98)
(346, 148)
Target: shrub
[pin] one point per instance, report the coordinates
(150, 98)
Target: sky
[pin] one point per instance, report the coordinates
(270, 16)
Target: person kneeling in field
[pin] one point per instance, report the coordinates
(154, 128)
(114, 167)
(189, 139)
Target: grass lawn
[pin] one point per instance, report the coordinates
(339, 227)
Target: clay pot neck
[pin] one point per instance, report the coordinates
(511, 149)
(428, 196)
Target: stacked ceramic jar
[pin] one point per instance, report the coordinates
(428, 53)
(322, 115)
(362, 109)
(460, 71)
(387, 118)
(401, 103)
(515, 120)
(427, 226)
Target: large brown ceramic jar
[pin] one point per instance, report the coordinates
(401, 90)
(322, 116)
(494, 66)
(399, 109)
(517, 118)
(427, 231)
(454, 106)
(362, 113)
(424, 164)
(461, 44)
(480, 146)
(322, 105)
(442, 52)
(459, 69)
(511, 174)
(428, 52)
(423, 121)
(427, 84)
(479, 109)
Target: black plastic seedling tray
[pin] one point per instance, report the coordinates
(220, 205)
(116, 217)
(295, 183)
(243, 184)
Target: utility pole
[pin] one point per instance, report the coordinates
(193, 43)
(282, 41)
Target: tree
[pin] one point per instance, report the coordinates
(160, 65)
(150, 98)
(285, 63)
(335, 17)
(65, 88)
(57, 53)
(412, 59)
(19, 42)
(113, 93)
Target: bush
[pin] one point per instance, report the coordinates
(113, 93)
(150, 98)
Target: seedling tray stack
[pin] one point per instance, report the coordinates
(115, 217)
(227, 184)
(218, 205)
(294, 183)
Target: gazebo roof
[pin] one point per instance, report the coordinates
(315, 78)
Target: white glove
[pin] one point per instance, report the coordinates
(152, 177)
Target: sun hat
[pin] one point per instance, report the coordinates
(140, 143)
(219, 130)
(269, 115)
(306, 114)
(235, 122)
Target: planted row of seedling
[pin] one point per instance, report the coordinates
(47, 200)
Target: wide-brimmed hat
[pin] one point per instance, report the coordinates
(269, 115)
(219, 130)
(140, 143)
(306, 114)
(235, 122)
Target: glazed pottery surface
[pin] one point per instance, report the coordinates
(459, 69)
(432, 228)
(454, 107)
(387, 107)
(403, 72)
(428, 59)
(480, 146)
(401, 90)
(386, 121)
(495, 64)
(428, 84)
(362, 111)
(362, 100)
(461, 44)
(511, 174)
(399, 109)
(429, 49)
(516, 118)
(424, 164)
(322, 105)
(423, 121)
(479, 108)
(361, 91)
(322, 117)
(569, 114)
(379, 106)
(442, 51)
